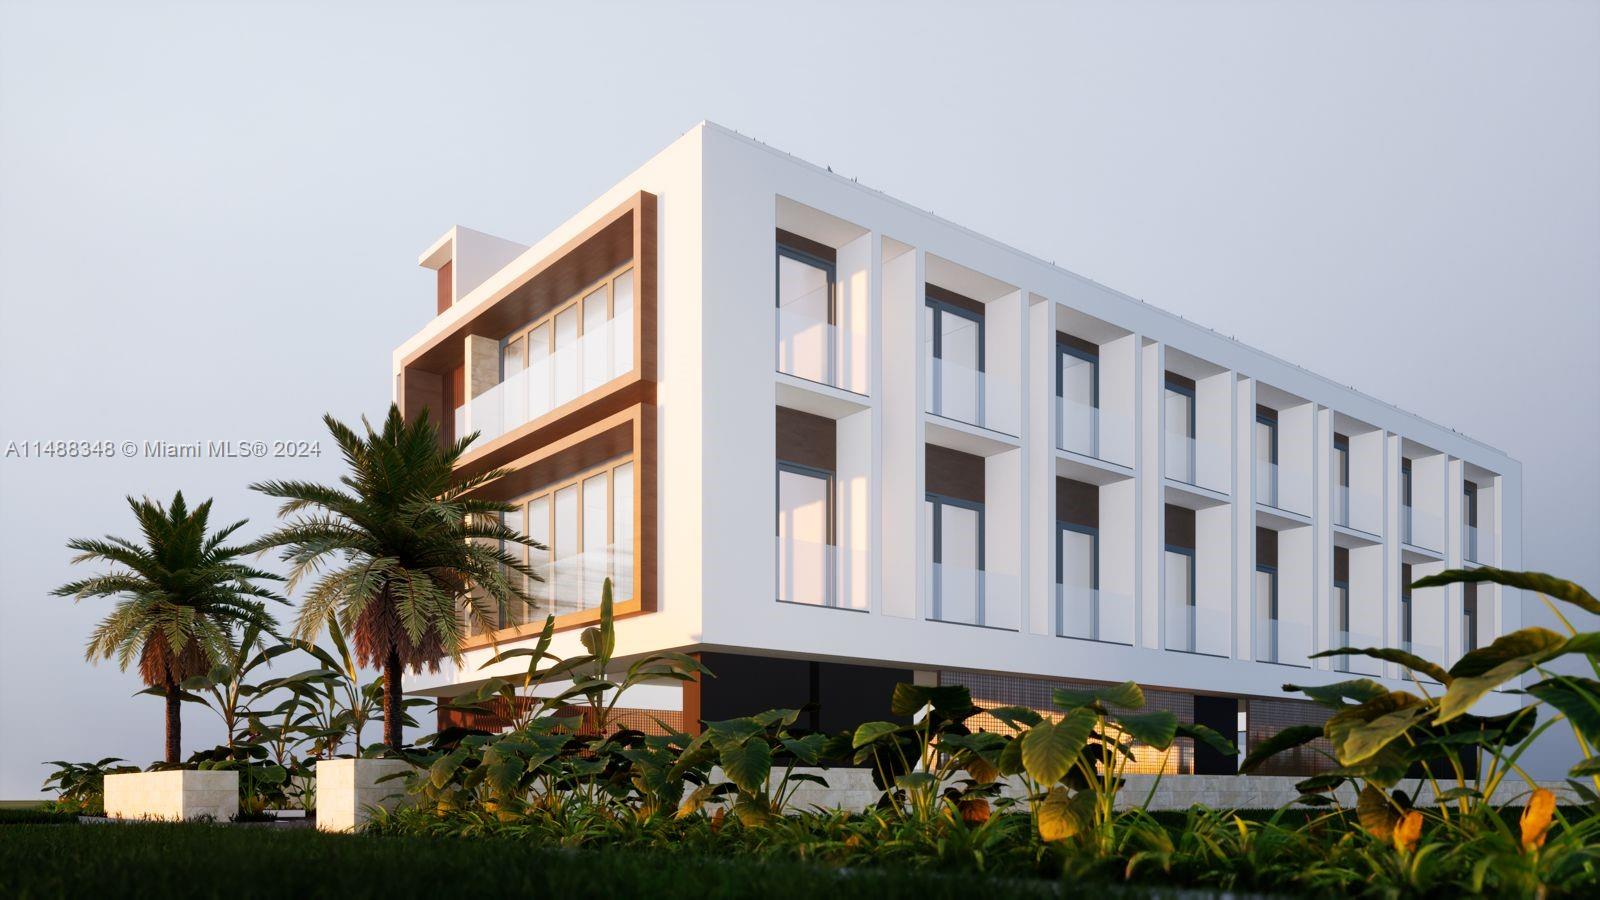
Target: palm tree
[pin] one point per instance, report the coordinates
(180, 597)
(398, 550)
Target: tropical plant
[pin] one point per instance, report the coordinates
(1379, 736)
(81, 787)
(399, 550)
(181, 596)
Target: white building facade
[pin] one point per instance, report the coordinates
(829, 441)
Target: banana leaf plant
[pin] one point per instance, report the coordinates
(81, 787)
(748, 748)
(1379, 736)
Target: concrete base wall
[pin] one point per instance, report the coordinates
(348, 789)
(173, 795)
(852, 789)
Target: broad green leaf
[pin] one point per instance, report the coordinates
(1538, 582)
(785, 717)
(748, 765)
(1016, 716)
(696, 799)
(1010, 760)
(444, 768)
(1334, 695)
(1590, 766)
(1401, 657)
(1155, 728)
(1050, 748)
(909, 699)
(1376, 813)
(1464, 692)
(807, 749)
(870, 732)
(1318, 784)
(1363, 741)
(732, 732)
(752, 812)
(916, 781)
(1061, 816)
(1127, 695)
(1531, 645)
(1207, 736)
(1578, 698)
(1287, 739)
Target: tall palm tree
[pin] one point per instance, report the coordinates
(397, 551)
(181, 595)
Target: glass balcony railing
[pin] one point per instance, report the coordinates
(1282, 487)
(597, 357)
(1360, 664)
(566, 585)
(816, 574)
(1356, 509)
(968, 596)
(814, 349)
(967, 395)
(1477, 544)
(1421, 528)
(1079, 427)
(1188, 458)
(1190, 629)
(1093, 614)
(1279, 641)
(1431, 652)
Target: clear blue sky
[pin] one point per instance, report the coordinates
(209, 218)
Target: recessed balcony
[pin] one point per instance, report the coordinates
(964, 595)
(1091, 614)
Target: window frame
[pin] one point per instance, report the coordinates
(1093, 533)
(936, 551)
(574, 302)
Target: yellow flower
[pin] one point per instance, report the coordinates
(1536, 818)
(1408, 831)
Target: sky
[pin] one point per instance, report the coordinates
(210, 216)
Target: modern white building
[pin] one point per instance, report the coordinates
(829, 442)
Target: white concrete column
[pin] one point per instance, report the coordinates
(1244, 520)
(1152, 495)
(1323, 615)
(904, 558)
(1039, 456)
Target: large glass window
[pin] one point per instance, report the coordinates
(1180, 598)
(1078, 399)
(957, 545)
(1077, 573)
(1469, 519)
(806, 565)
(955, 352)
(1266, 458)
(585, 524)
(1469, 617)
(1341, 474)
(805, 315)
(1405, 607)
(1267, 600)
(1406, 533)
(1178, 409)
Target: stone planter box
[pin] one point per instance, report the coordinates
(348, 789)
(173, 795)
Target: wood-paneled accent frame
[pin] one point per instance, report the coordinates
(631, 432)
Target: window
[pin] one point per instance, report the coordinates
(1341, 604)
(1078, 574)
(575, 348)
(1406, 534)
(1469, 617)
(956, 541)
(1341, 471)
(1469, 520)
(1179, 562)
(586, 524)
(806, 565)
(1178, 408)
(1405, 607)
(1078, 396)
(955, 354)
(806, 314)
(1267, 456)
(1267, 597)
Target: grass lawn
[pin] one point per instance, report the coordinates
(174, 861)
